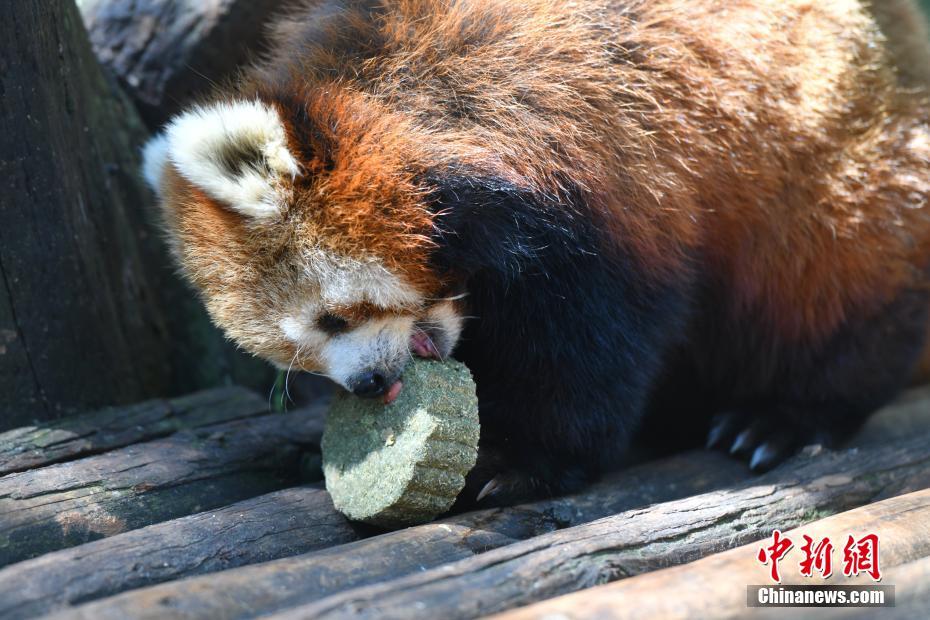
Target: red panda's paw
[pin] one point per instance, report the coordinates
(495, 482)
(764, 438)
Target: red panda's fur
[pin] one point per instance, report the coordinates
(774, 135)
(774, 152)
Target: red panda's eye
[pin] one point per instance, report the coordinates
(331, 324)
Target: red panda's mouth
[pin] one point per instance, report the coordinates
(422, 345)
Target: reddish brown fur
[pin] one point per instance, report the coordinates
(776, 141)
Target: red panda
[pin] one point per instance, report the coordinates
(611, 210)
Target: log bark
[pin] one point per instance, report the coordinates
(72, 503)
(90, 312)
(639, 541)
(716, 586)
(49, 583)
(167, 53)
(912, 594)
(296, 580)
(82, 435)
(263, 528)
(248, 591)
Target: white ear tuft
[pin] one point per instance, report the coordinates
(154, 158)
(236, 152)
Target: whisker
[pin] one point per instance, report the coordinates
(287, 378)
(452, 298)
(274, 386)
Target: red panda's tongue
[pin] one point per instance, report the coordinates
(422, 345)
(393, 392)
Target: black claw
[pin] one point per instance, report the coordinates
(493, 486)
(765, 457)
(763, 438)
(722, 430)
(744, 442)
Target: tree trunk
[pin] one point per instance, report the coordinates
(90, 313)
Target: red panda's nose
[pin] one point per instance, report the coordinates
(368, 384)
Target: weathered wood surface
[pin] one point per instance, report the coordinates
(639, 541)
(63, 505)
(716, 586)
(912, 594)
(245, 592)
(166, 53)
(91, 313)
(149, 556)
(115, 427)
(80, 322)
(279, 524)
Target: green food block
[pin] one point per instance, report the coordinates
(403, 463)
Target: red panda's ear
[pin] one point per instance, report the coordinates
(235, 152)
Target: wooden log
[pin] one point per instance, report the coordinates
(114, 427)
(90, 312)
(279, 524)
(912, 594)
(294, 580)
(639, 541)
(167, 53)
(245, 592)
(72, 279)
(72, 503)
(716, 586)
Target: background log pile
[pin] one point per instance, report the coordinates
(211, 506)
(216, 515)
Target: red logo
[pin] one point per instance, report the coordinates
(775, 552)
(859, 556)
(817, 557)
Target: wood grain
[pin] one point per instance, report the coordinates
(716, 586)
(99, 496)
(91, 433)
(640, 541)
(268, 527)
(246, 592)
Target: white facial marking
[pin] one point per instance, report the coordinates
(207, 146)
(381, 344)
(346, 281)
(293, 329)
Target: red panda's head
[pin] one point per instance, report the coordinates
(307, 231)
